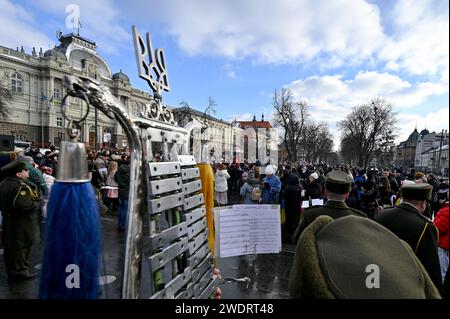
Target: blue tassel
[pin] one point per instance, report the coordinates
(72, 238)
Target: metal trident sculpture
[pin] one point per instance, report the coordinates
(166, 195)
(156, 63)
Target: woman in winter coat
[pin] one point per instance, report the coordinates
(247, 190)
(272, 186)
(112, 194)
(221, 185)
(385, 192)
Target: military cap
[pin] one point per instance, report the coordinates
(417, 191)
(338, 182)
(14, 167)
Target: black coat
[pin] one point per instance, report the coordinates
(122, 178)
(419, 232)
(292, 194)
(313, 190)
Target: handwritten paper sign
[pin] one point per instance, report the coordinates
(247, 229)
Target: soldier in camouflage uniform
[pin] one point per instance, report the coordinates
(19, 205)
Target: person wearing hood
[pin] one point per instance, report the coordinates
(221, 185)
(247, 191)
(292, 196)
(271, 186)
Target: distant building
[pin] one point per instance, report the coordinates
(260, 141)
(427, 144)
(35, 81)
(405, 152)
(221, 140)
(227, 142)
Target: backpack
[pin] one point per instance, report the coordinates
(256, 193)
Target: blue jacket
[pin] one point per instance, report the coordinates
(271, 190)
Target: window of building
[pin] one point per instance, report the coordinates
(59, 121)
(56, 93)
(267, 142)
(246, 147)
(123, 100)
(223, 143)
(16, 83)
(135, 109)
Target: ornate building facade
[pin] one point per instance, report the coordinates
(405, 152)
(35, 81)
(227, 142)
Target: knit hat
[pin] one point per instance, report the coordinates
(314, 175)
(269, 170)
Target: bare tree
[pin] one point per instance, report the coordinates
(349, 149)
(290, 116)
(5, 98)
(367, 128)
(316, 141)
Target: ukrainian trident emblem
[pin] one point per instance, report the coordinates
(152, 68)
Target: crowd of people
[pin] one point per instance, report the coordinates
(380, 195)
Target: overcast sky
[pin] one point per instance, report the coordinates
(334, 54)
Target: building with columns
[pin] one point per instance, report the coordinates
(35, 81)
(227, 142)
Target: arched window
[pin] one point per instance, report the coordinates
(246, 147)
(16, 83)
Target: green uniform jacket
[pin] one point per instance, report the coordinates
(332, 208)
(19, 205)
(419, 232)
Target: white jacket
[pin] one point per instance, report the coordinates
(220, 181)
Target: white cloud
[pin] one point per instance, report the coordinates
(19, 27)
(100, 21)
(229, 70)
(420, 40)
(272, 31)
(324, 90)
(433, 121)
(330, 98)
